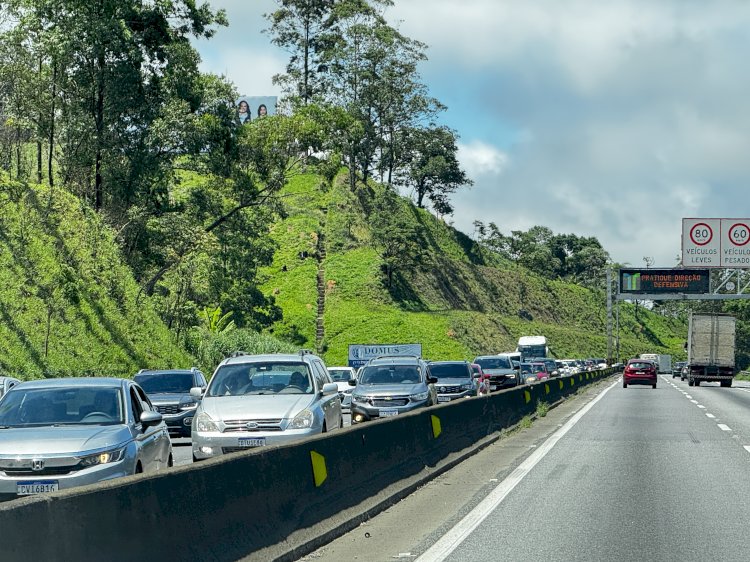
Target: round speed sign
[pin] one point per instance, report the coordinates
(739, 234)
(701, 234)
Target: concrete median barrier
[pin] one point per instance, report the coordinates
(227, 508)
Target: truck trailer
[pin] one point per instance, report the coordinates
(663, 362)
(711, 347)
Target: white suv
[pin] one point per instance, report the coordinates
(258, 400)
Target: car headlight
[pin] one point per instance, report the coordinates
(530, 379)
(103, 458)
(204, 423)
(359, 398)
(188, 405)
(303, 420)
(420, 396)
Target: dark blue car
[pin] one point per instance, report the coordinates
(169, 392)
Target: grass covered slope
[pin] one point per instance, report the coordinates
(68, 304)
(460, 301)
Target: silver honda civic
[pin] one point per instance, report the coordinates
(61, 433)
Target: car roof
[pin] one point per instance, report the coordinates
(281, 357)
(405, 360)
(160, 371)
(74, 382)
(448, 362)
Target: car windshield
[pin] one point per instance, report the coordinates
(531, 368)
(449, 371)
(494, 363)
(261, 378)
(37, 407)
(390, 374)
(164, 383)
(341, 375)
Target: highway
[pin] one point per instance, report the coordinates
(642, 474)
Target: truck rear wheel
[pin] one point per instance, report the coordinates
(690, 381)
(726, 383)
(697, 382)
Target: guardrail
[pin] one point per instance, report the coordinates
(266, 502)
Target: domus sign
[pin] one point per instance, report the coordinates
(716, 243)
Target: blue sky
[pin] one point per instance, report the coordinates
(610, 119)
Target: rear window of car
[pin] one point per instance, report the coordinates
(494, 363)
(342, 375)
(641, 365)
(450, 371)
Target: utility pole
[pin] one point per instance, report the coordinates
(609, 315)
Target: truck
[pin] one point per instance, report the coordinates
(663, 362)
(711, 348)
(531, 347)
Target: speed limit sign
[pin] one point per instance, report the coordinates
(739, 234)
(701, 242)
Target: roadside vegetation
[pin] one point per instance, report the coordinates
(147, 227)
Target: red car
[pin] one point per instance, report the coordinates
(639, 371)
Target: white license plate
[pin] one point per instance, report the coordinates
(388, 413)
(252, 442)
(444, 398)
(38, 487)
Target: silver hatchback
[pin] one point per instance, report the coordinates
(61, 433)
(258, 400)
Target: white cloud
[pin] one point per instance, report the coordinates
(479, 158)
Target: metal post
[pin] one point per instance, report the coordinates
(609, 316)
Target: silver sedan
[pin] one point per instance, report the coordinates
(61, 433)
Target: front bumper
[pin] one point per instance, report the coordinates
(362, 412)
(213, 444)
(178, 425)
(449, 397)
(498, 383)
(9, 483)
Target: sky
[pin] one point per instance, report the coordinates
(610, 119)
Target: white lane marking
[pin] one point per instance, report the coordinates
(701, 407)
(710, 416)
(724, 427)
(688, 397)
(747, 448)
(453, 538)
(694, 401)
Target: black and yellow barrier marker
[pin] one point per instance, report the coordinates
(527, 396)
(437, 429)
(320, 472)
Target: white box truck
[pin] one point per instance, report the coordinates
(663, 362)
(710, 347)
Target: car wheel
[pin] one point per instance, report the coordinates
(653, 386)
(170, 461)
(139, 468)
(341, 422)
(697, 382)
(624, 384)
(690, 382)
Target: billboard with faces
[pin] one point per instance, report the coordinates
(250, 108)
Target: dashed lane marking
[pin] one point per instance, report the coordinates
(711, 416)
(724, 427)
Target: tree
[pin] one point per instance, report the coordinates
(304, 29)
(394, 235)
(431, 167)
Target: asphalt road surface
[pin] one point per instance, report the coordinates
(614, 474)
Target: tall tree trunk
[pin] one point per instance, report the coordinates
(51, 140)
(305, 78)
(39, 136)
(99, 118)
(420, 196)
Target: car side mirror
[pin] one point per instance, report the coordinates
(197, 392)
(353, 382)
(151, 418)
(329, 388)
(431, 380)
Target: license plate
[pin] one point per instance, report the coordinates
(640, 373)
(38, 487)
(444, 398)
(388, 413)
(252, 442)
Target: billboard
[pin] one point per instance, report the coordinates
(716, 243)
(250, 108)
(664, 281)
(361, 354)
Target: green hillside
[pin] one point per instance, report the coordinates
(68, 304)
(460, 300)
